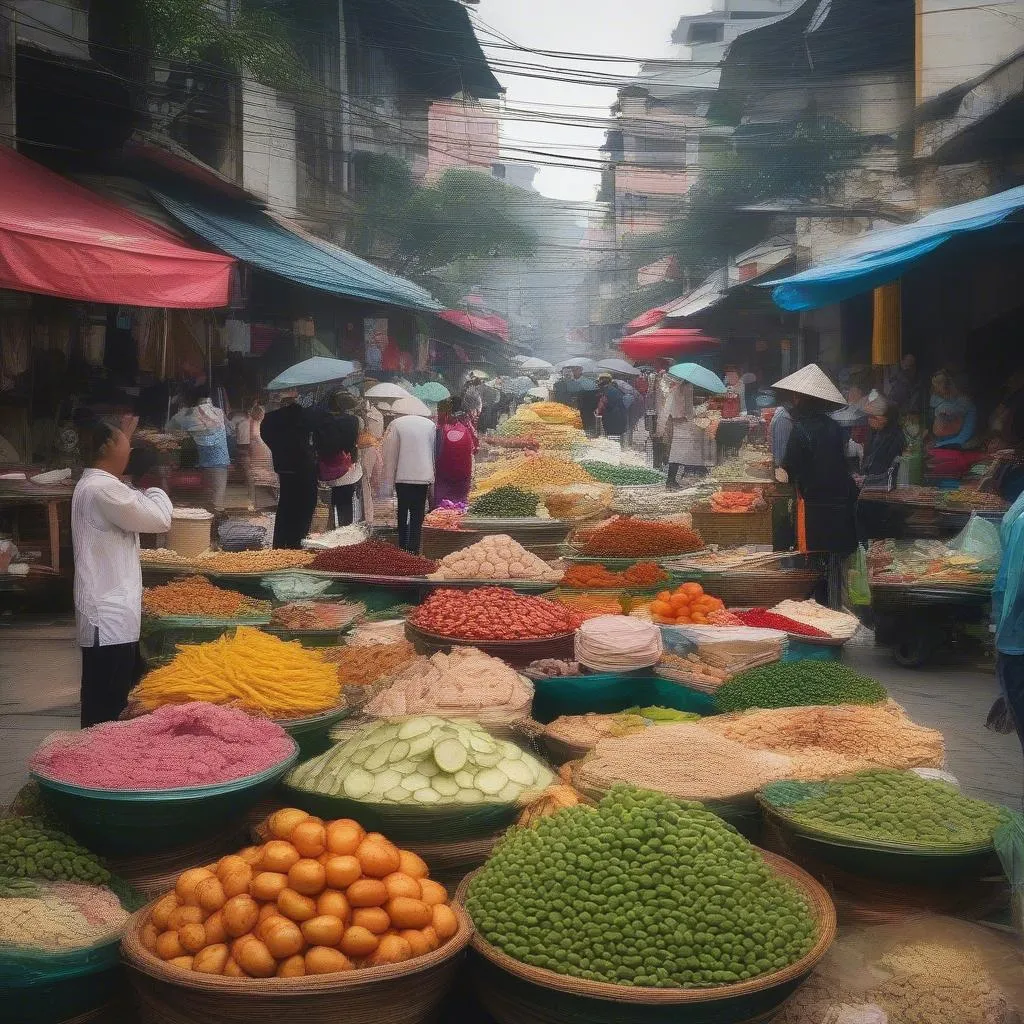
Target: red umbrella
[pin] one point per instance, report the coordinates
(478, 323)
(666, 341)
(651, 318)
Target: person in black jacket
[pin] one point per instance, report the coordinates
(287, 432)
(886, 441)
(815, 463)
(335, 437)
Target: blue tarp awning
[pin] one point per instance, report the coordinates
(883, 256)
(252, 236)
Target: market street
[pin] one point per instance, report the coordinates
(955, 701)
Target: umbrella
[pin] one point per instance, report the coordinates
(410, 406)
(665, 341)
(533, 363)
(572, 386)
(389, 391)
(538, 392)
(811, 380)
(586, 365)
(431, 391)
(699, 376)
(310, 372)
(649, 318)
(619, 366)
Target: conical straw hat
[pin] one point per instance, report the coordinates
(811, 380)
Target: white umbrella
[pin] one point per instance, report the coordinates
(533, 363)
(387, 390)
(410, 406)
(619, 366)
(310, 372)
(586, 365)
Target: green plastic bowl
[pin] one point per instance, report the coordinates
(129, 822)
(313, 734)
(609, 694)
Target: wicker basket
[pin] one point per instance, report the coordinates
(516, 652)
(407, 993)
(731, 529)
(516, 993)
(451, 861)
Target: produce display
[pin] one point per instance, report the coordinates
(972, 499)
(318, 898)
(919, 971)
(556, 412)
(930, 563)
(372, 631)
(548, 668)
(577, 501)
(492, 613)
(531, 471)
(249, 669)
(626, 537)
(266, 560)
(526, 444)
(365, 664)
(354, 533)
(495, 557)
(312, 615)
(830, 741)
(31, 849)
(890, 807)
(624, 476)
(691, 668)
(196, 595)
(640, 891)
(585, 576)
(372, 558)
(444, 519)
(466, 682)
(797, 683)
(57, 916)
(176, 746)
(650, 503)
(551, 801)
(765, 619)
(736, 501)
(839, 625)
(423, 761)
(685, 761)
(506, 503)
(617, 643)
(164, 557)
(686, 604)
(587, 730)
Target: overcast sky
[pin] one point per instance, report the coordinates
(639, 28)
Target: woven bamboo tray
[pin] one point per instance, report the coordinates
(516, 993)
(407, 993)
(516, 652)
(897, 862)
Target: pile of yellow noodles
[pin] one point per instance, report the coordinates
(251, 670)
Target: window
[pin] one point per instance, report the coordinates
(706, 32)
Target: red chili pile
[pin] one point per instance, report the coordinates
(492, 613)
(372, 558)
(765, 619)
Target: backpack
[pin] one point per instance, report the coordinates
(455, 450)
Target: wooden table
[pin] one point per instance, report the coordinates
(26, 494)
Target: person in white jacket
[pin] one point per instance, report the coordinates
(408, 454)
(107, 517)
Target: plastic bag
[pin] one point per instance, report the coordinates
(241, 535)
(929, 969)
(1009, 844)
(857, 585)
(978, 538)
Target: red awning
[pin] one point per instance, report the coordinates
(478, 323)
(666, 341)
(650, 318)
(57, 238)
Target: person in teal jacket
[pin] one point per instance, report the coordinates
(1008, 613)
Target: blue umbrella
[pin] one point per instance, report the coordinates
(431, 391)
(310, 372)
(699, 376)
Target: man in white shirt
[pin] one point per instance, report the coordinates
(409, 452)
(106, 518)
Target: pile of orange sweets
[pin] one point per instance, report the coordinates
(687, 604)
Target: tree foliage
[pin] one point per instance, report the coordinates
(418, 230)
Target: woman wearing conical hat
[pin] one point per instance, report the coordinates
(815, 463)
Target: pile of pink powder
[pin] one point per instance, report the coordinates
(176, 746)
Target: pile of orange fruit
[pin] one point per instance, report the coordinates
(684, 605)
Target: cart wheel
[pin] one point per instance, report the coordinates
(913, 651)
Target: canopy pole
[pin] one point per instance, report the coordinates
(887, 328)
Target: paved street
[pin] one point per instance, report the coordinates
(954, 700)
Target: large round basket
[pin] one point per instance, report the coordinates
(148, 821)
(407, 993)
(515, 652)
(893, 862)
(406, 823)
(516, 993)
